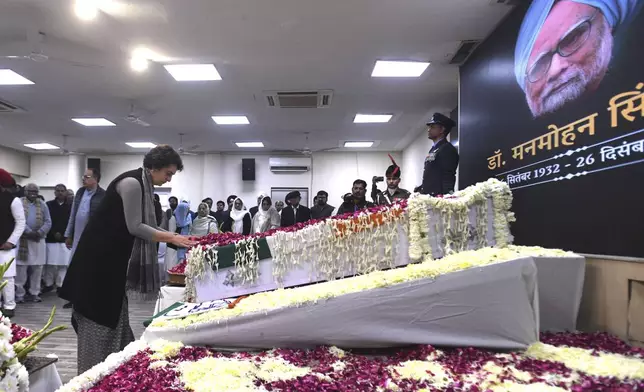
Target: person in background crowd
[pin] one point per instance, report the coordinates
(220, 214)
(117, 253)
(208, 201)
(439, 175)
(32, 250)
(254, 210)
(86, 203)
(393, 192)
(321, 209)
(294, 213)
(239, 221)
(279, 206)
(315, 200)
(356, 201)
(70, 197)
(204, 223)
(267, 218)
(57, 252)
(158, 211)
(12, 225)
(226, 226)
(184, 223)
(192, 213)
(174, 202)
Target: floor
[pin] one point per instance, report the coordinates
(63, 343)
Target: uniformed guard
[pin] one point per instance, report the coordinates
(393, 192)
(439, 176)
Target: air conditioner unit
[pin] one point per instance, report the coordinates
(289, 165)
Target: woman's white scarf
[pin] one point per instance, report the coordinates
(203, 225)
(263, 220)
(238, 217)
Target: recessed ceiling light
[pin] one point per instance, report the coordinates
(41, 146)
(398, 69)
(141, 144)
(358, 144)
(8, 77)
(94, 122)
(372, 118)
(231, 120)
(86, 9)
(192, 72)
(250, 144)
(139, 64)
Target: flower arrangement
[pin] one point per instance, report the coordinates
(448, 218)
(179, 269)
(560, 362)
(282, 298)
(16, 343)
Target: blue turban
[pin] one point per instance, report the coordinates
(616, 13)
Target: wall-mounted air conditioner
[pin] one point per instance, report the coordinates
(290, 164)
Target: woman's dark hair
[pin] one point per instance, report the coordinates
(221, 202)
(162, 156)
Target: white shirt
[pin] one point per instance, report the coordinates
(18, 213)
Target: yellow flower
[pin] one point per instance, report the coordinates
(601, 365)
(509, 386)
(165, 349)
(430, 371)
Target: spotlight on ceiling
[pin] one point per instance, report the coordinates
(358, 144)
(139, 64)
(141, 144)
(372, 118)
(86, 9)
(41, 146)
(249, 144)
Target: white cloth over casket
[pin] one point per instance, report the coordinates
(561, 282)
(495, 306)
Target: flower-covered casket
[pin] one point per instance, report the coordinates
(228, 265)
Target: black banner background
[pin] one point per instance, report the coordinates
(599, 212)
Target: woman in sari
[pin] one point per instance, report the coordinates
(267, 218)
(205, 223)
(239, 220)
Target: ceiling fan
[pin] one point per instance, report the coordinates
(38, 55)
(183, 151)
(134, 118)
(64, 150)
(307, 151)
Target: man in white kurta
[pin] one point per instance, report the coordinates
(32, 250)
(12, 225)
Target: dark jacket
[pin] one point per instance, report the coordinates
(439, 176)
(227, 227)
(7, 223)
(253, 211)
(352, 205)
(384, 198)
(59, 218)
(318, 212)
(289, 218)
(96, 278)
(93, 207)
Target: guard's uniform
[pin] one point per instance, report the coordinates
(439, 175)
(385, 198)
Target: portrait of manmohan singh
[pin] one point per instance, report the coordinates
(564, 48)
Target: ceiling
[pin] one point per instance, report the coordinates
(256, 45)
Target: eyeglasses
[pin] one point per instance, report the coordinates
(566, 47)
(87, 177)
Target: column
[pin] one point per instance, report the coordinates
(75, 170)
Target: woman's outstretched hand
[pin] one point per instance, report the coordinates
(183, 241)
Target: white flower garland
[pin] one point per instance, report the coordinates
(200, 261)
(13, 374)
(85, 381)
(446, 221)
(247, 260)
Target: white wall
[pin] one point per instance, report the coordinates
(15, 162)
(219, 175)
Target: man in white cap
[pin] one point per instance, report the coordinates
(564, 48)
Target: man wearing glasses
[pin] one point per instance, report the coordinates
(85, 204)
(564, 48)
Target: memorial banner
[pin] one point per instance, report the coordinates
(553, 104)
